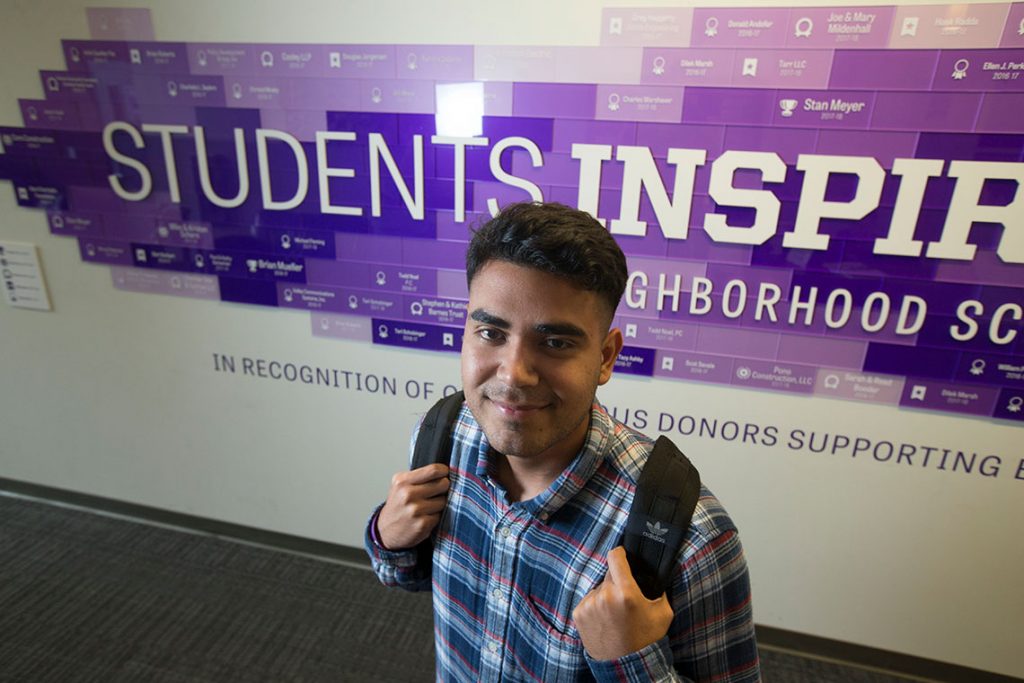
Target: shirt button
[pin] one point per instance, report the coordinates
(505, 532)
(496, 593)
(544, 516)
(492, 646)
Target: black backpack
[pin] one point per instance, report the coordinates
(663, 504)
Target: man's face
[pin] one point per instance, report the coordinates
(534, 353)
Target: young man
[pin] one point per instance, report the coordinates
(530, 582)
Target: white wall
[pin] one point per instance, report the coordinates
(114, 394)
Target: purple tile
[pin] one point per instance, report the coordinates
(452, 284)
(402, 279)
(722, 273)
(638, 26)
(837, 353)
(120, 24)
(690, 66)
(402, 96)
(360, 61)
(223, 58)
(953, 398)
(416, 335)
(603, 64)
(81, 55)
(369, 248)
(973, 146)
(258, 92)
(633, 360)
(986, 268)
(158, 57)
(503, 194)
(824, 109)
(554, 100)
(52, 115)
(246, 291)
(458, 231)
(1000, 113)
(660, 137)
(914, 361)
(567, 132)
(539, 130)
(311, 298)
(859, 386)
(990, 369)
(513, 63)
(980, 70)
(323, 93)
(351, 327)
(737, 342)
(693, 366)
(187, 285)
(35, 195)
(361, 302)
(839, 27)
(883, 69)
(774, 375)
(884, 146)
(989, 337)
(788, 144)
(433, 253)
(185, 234)
(434, 310)
(434, 62)
(658, 333)
(105, 251)
(339, 273)
(729, 105)
(1010, 406)
(948, 26)
(743, 27)
(639, 103)
(910, 111)
(290, 60)
(76, 223)
(788, 68)
(558, 169)
(859, 258)
(178, 90)
(61, 86)
(943, 298)
(1013, 31)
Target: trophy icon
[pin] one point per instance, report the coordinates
(788, 106)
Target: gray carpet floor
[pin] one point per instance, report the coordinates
(91, 598)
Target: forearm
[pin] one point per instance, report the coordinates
(395, 568)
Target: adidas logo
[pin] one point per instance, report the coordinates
(656, 532)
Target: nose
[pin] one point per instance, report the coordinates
(517, 367)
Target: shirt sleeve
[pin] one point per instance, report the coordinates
(712, 637)
(394, 568)
(653, 663)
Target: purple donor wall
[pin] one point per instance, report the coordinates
(825, 201)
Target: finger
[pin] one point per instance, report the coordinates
(618, 567)
(422, 475)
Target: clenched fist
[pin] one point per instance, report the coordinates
(616, 619)
(413, 506)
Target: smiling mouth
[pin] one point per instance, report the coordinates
(515, 410)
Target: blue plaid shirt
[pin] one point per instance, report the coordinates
(507, 576)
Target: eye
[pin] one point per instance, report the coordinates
(558, 343)
(489, 334)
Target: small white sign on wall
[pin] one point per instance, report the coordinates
(21, 276)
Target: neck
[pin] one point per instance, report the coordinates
(526, 478)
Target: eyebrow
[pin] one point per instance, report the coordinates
(559, 329)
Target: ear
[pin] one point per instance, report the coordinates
(609, 352)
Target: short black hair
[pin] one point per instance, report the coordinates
(556, 239)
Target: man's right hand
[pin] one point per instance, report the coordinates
(413, 506)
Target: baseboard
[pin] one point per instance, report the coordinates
(767, 636)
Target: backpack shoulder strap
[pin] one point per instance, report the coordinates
(434, 441)
(434, 444)
(666, 496)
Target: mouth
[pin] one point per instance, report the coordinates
(517, 410)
